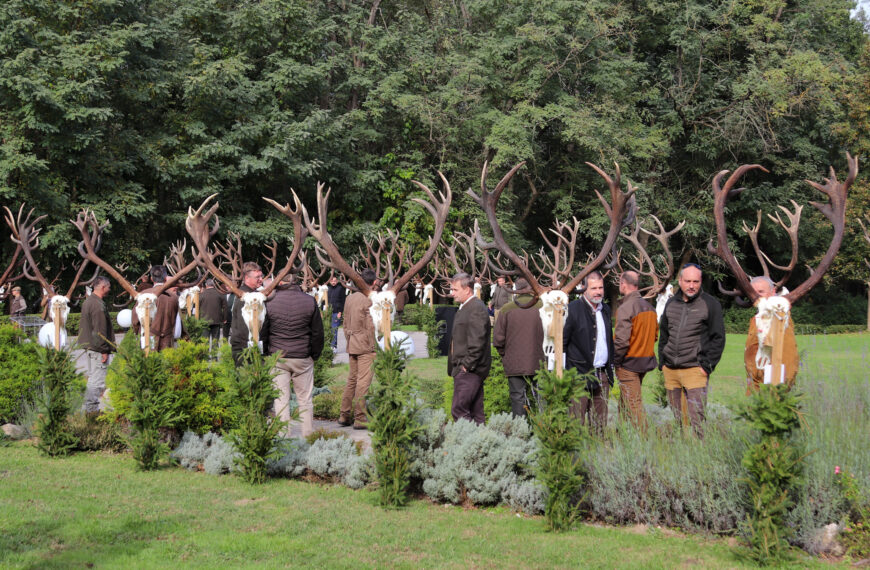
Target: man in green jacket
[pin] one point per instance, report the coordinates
(97, 338)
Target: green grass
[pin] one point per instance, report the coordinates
(97, 509)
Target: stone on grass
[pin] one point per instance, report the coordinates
(13, 431)
(825, 541)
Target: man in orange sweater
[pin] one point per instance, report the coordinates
(764, 286)
(634, 340)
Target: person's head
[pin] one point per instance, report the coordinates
(521, 283)
(209, 283)
(16, 291)
(690, 280)
(763, 286)
(461, 287)
(333, 280)
(252, 275)
(102, 286)
(158, 274)
(628, 282)
(368, 276)
(500, 281)
(594, 291)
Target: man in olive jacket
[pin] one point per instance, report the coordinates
(212, 308)
(96, 337)
(691, 341)
(359, 331)
(519, 338)
(634, 346)
(469, 358)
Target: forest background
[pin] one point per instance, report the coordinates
(139, 108)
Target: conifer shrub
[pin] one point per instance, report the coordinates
(152, 406)
(429, 324)
(562, 439)
(59, 381)
(323, 365)
(19, 362)
(773, 465)
(392, 425)
(195, 328)
(256, 432)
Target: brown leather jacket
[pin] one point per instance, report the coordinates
(359, 329)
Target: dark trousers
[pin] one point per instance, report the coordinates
(467, 397)
(214, 332)
(335, 322)
(518, 385)
(593, 411)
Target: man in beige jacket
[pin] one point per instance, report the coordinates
(359, 331)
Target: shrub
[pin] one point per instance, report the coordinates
(477, 463)
(327, 404)
(339, 458)
(392, 425)
(95, 433)
(20, 364)
(209, 453)
(59, 379)
(292, 459)
(322, 366)
(256, 433)
(430, 325)
(413, 315)
(773, 465)
(195, 328)
(562, 438)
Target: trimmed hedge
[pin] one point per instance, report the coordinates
(72, 322)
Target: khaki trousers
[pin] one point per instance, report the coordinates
(593, 411)
(300, 373)
(358, 381)
(630, 396)
(687, 395)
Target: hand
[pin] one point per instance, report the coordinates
(105, 358)
(338, 315)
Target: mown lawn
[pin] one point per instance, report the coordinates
(96, 509)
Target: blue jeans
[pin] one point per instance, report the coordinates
(336, 321)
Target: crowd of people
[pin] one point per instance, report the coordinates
(603, 345)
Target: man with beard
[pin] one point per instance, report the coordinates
(588, 344)
(691, 341)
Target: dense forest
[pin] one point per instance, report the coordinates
(140, 108)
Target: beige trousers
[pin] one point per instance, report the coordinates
(359, 379)
(299, 372)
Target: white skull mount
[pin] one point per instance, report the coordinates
(146, 304)
(767, 312)
(381, 300)
(550, 300)
(186, 297)
(427, 293)
(253, 300)
(662, 300)
(61, 303)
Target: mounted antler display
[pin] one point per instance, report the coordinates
(659, 269)
(834, 210)
(331, 256)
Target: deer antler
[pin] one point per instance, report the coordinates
(645, 265)
(25, 235)
(295, 214)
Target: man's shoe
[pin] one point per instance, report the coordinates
(360, 426)
(344, 423)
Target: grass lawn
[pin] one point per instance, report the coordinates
(96, 510)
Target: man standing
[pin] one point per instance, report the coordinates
(17, 305)
(252, 279)
(691, 341)
(335, 295)
(212, 308)
(359, 331)
(764, 286)
(97, 338)
(519, 339)
(469, 358)
(163, 325)
(588, 343)
(634, 342)
(295, 331)
(500, 297)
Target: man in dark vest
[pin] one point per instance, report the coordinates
(335, 295)
(588, 344)
(212, 308)
(469, 358)
(97, 338)
(519, 339)
(252, 279)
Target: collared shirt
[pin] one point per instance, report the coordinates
(600, 358)
(465, 302)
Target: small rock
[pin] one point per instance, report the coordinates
(13, 431)
(825, 541)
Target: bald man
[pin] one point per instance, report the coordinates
(691, 341)
(765, 288)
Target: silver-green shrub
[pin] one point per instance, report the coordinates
(478, 463)
(210, 453)
(340, 459)
(292, 461)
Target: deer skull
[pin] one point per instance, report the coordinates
(382, 300)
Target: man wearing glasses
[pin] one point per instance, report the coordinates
(252, 279)
(691, 341)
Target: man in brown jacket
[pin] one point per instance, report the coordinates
(212, 308)
(634, 340)
(17, 304)
(96, 337)
(469, 358)
(163, 325)
(359, 331)
(500, 297)
(519, 338)
(764, 286)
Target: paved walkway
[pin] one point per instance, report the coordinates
(328, 425)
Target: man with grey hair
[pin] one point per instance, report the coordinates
(588, 344)
(97, 338)
(469, 358)
(765, 287)
(691, 341)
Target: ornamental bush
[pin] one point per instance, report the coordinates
(59, 380)
(20, 364)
